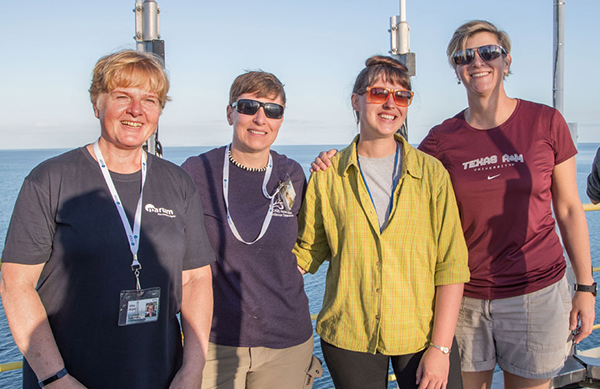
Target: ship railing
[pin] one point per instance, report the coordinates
(588, 208)
(579, 371)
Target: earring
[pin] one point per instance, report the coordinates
(458, 82)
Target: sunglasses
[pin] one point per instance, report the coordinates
(251, 107)
(487, 53)
(380, 94)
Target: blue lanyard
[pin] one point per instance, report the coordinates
(394, 179)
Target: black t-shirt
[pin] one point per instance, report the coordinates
(258, 290)
(65, 217)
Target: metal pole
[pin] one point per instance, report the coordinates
(400, 40)
(147, 36)
(403, 29)
(400, 49)
(558, 87)
(559, 39)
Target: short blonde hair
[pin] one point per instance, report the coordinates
(130, 68)
(467, 30)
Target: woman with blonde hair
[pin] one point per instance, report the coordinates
(98, 234)
(512, 162)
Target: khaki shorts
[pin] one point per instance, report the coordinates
(261, 367)
(526, 335)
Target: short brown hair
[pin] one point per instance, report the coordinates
(130, 68)
(467, 30)
(387, 68)
(258, 82)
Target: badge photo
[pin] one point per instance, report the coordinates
(139, 306)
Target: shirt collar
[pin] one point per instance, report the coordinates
(410, 163)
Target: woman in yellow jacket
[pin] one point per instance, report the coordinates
(385, 216)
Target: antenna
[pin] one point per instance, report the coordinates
(147, 36)
(400, 50)
(400, 40)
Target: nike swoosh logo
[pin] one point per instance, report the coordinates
(492, 177)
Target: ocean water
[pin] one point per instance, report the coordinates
(16, 164)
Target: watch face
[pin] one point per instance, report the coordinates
(443, 349)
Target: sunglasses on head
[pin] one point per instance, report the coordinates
(380, 94)
(487, 53)
(251, 107)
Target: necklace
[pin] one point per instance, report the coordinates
(250, 169)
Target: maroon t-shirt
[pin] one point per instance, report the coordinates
(502, 178)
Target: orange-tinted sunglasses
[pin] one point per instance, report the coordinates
(380, 94)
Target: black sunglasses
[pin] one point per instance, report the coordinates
(251, 107)
(487, 53)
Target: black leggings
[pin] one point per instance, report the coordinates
(356, 370)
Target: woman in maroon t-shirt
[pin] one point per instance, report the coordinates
(509, 160)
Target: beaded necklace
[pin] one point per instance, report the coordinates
(250, 169)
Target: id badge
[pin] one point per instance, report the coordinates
(139, 306)
(287, 194)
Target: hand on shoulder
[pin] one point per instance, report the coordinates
(323, 160)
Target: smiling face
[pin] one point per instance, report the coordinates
(128, 116)
(482, 78)
(254, 133)
(379, 120)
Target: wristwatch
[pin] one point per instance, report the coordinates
(443, 349)
(593, 289)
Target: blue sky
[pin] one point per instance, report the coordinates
(316, 47)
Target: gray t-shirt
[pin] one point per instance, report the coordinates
(65, 217)
(380, 175)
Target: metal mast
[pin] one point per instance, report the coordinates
(558, 88)
(559, 39)
(147, 36)
(400, 49)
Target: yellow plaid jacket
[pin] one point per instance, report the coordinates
(380, 286)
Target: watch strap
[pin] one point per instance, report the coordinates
(63, 372)
(593, 289)
(443, 349)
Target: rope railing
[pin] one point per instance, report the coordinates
(586, 207)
